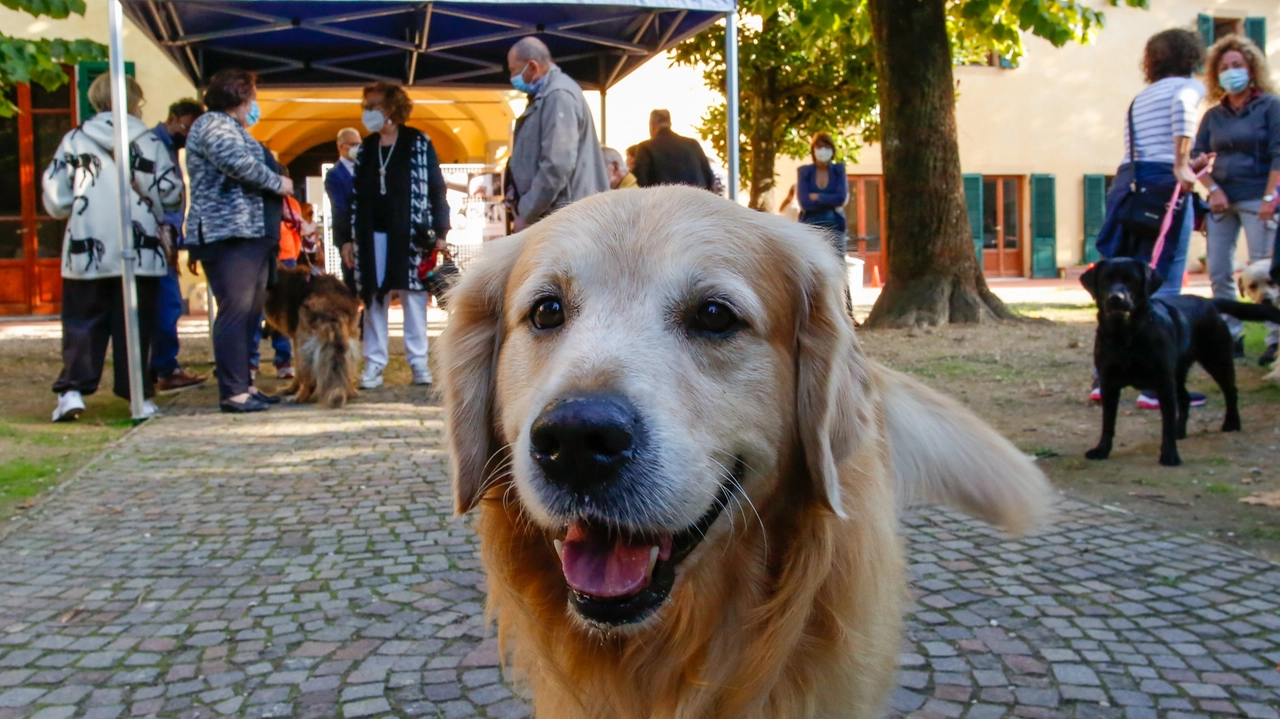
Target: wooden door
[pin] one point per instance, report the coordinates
(1002, 240)
(865, 215)
(31, 240)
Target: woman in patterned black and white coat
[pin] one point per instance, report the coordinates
(81, 185)
(398, 225)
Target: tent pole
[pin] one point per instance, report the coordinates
(604, 116)
(128, 254)
(731, 96)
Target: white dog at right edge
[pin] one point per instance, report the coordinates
(1255, 283)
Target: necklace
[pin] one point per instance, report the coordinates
(382, 165)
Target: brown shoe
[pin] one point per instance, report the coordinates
(178, 381)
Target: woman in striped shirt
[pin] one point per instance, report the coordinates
(1163, 119)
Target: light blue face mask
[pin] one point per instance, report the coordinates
(528, 88)
(1234, 80)
(254, 114)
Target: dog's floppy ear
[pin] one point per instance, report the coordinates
(831, 381)
(1090, 279)
(1240, 284)
(468, 357)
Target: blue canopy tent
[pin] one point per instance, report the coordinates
(441, 44)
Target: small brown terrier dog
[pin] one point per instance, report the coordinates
(320, 316)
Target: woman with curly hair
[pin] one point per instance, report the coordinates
(1242, 132)
(1158, 130)
(399, 220)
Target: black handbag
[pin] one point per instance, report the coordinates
(1141, 212)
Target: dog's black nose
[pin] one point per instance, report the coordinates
(585, 440)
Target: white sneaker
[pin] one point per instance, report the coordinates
(149, 409)
(371, 378)
(421, 374)
(70, 405)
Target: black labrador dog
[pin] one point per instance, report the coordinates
(1150, 343)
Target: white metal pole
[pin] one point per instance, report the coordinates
(604, 116)
(128, 254)
(731, 96)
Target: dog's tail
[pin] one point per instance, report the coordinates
(332, 360)
(944, 454)
(1248, 311)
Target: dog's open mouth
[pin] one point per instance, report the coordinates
(617, 578)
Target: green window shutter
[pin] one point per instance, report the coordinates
(86, 73)
(1044, 226)
(1256, 29)
(1205, 24)
(1095, 211)
(973, 204)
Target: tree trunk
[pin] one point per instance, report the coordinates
(933, 273)
(763, 133)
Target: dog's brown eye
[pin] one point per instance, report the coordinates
(547, 313)
(713, 318)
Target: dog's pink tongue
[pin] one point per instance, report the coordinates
(600, 566)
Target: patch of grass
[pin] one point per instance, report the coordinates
(7, 431)
(1255, 339)
(1219, 488)
(1267, 533)
(20, 479)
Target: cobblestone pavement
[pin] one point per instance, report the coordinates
(303, 563)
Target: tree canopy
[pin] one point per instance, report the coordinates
(791, 85)
(40, 61)
(807, 66)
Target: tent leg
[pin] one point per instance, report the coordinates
(731, 97)
(119, 115)
(604, 117)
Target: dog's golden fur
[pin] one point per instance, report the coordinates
(790, 607)
(320, 316)
(1255, 283)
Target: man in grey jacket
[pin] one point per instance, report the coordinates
(555, 154)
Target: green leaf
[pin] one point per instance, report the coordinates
(40, 62)
(56, 9)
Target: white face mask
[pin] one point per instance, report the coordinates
(824, 154)
(373, 120)
(355, 150)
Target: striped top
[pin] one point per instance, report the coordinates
(1164, 110)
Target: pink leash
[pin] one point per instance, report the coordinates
(1167, 222)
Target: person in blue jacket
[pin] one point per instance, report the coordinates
(822, 189)
(339, 185)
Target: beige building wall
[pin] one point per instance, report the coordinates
(1062, 110)
(161, 81)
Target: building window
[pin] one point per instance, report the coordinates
(993, 59)
(1213, 28)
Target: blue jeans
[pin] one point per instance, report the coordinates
(164, 338)
(279, 343)
(1172, 264)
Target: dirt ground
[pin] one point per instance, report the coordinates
(1030, 380)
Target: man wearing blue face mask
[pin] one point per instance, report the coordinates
(555, 154)
(1242, 133)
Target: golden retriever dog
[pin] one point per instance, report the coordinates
(321, 318)
(688, 472)
(1255, 283)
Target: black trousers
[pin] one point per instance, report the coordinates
(92, 315)
(237, 272)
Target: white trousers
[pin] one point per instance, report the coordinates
(376, 336)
